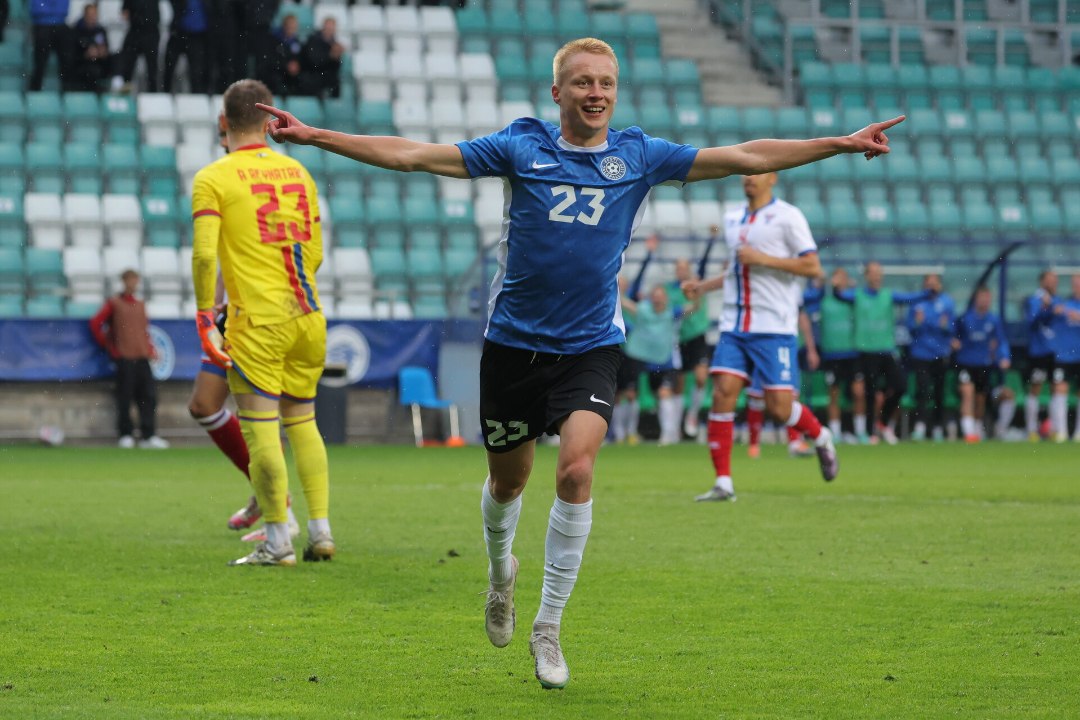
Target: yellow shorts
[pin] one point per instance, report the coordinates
(280, 360)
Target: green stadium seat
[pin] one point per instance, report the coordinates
(505, 23)
(12, 169)
(45, 115)
(120, 165)
(1034, 171)
(424, 238)
(1047, 221)
(1016, 48)
(957, 123)
(420, 212)
(924, 123)
(540, 24)
(624, 116)
(912, 77)
(1023, 124)
(962, 146)
(641, 26)
(946, 82)
(430, 306)
(1056, 126)
(680, 73)
(459, 261)
(308, 109)
(879, 221)
(420, 186)
(1041, 85)
(121, 121)
(11, 306)
(472, 21)
(723, 119)
(945, 222)
(538, 71)
(835, 169)
(383, 187)
(791, 122)
(989, 123)
(386, 237)
(979, 221)
(457, 213)
(45, 306)
(44, 270)
(1013, 221)
(906, 192)
(12, 271)
(82, 111)
(510, 47)
(511, 69)
(45, 167)
(646, 71)
(348, 222)
(689, 118)
(1001, 170)
(376, 118)
(912, 220)
(388, 264)
(845, 221)
(83, 164)
(159, 170)
(81, 310)
(815, 76)
(656, 120)
(1065, 172)
(608, 25)
(462, 237)
(341, 115)
(901, 168)
(383, 212)
(967, 169)
(12, 221)
(981, 46)
(759, 121)
(161, 220)
(874, 192)
(425, 268)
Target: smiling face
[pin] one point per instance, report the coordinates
(586, 93)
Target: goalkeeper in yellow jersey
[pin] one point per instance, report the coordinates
(256, 213)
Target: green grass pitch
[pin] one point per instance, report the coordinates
(927, 581)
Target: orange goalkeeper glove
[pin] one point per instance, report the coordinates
(212, 341)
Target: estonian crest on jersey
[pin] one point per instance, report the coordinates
(613, 168)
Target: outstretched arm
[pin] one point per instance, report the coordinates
(762, 156)
(392, 153)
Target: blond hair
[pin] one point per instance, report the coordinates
(581, 45)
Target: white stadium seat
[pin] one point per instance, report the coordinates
(395, 310)
(123, 220)
(341, 16)
(482, 118)
(407, 45)
(185, 267)
(402, 21)
(82, 213)
(161, 268)
(196, 119)
(406, 66)
(164, 307)
(477, 68)
(190, 158)
(357, 309)
(352, 271)
(115, 261)
(704, 214)
(82, 266)
(511, 111)
(411, 90)
(441, 67)
(157, 115)
(440, 28)
(411, 116)
(480, 94)
(367, 21)
(44, 213)
(448, 117)
(672, 216)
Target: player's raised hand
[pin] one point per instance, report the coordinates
(691, 289)
(284, 127)
(871, 141)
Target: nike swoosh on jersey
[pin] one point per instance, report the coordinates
(598, 400)
(538, 166)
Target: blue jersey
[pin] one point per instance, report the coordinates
(1040, 320)
(931, 339)
(1066, 332)
(568, 217)
(982, 340)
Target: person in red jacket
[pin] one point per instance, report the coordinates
(123, 329)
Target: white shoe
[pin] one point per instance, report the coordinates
(889, 435)
(154, 442)
(319, 548)
(715, 494)
(263, 555)
(551, 668)
(499, 615)
(126, 442)
(690, 424)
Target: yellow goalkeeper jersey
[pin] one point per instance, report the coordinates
(256, 212)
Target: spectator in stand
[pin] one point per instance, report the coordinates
(320, 62)
(875, 339)
(242, 30)
(4, 10)
(1039, 313)
(1067, 361)
(50, 36)
(981, 351)
(189, 35)
(930, 322)
(282, 73)
(90, 44)
(123, 329)
(143, 38)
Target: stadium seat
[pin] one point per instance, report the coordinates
(159, 170)
(392, 310)
(196, 120)
(45, 167)
(44, 270)
(122, 217)
(45, 307)
(160, 219)
(157, 116)
(83, 165)
(82, 214)
(459, 261)
(12, 117)
(12, 169)
(12, 271)
(82, 112)
(159, 268)
(85, 276)
(12, 221)
(45, 117)
(44, 214)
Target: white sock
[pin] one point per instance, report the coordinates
(724, 483)
(1006, 413)
(618, 421)
(568, 531)
(1059, 413)
(967, 425)
(277, 536)
(696, 400)
(670, 412)
(317, 526)
(633, 415)
(920, 428)
(1031, 414)
(860, 424)
(500, 524)
(834, 427)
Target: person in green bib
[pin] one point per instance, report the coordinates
(839, 358)
(874, 320)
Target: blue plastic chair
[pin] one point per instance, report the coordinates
(416, 388)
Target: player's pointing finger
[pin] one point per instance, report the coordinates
(279, 114)
(889, 123)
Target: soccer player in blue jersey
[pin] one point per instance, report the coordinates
(1039, 314)
(981, 352)
(930, 322)
(574, 194)
(1066, 342)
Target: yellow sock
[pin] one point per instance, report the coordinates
(269, 475)
(311, 466)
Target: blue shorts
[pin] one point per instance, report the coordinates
(769, 361)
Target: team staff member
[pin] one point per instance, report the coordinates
(1066, 327)
(1039, 313)
(981, 351)
(257, 213)
(554, 324)
(930, 322)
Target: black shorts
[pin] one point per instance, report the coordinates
(982, 377)
(627, 376)
(1067, 372)
(1039, 369)
(694, 352)
(841, 371)
(524, 394)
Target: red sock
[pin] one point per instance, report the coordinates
(224, 429)
(793, 435)
(721, 435)
(805, 422)
(755, 418)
